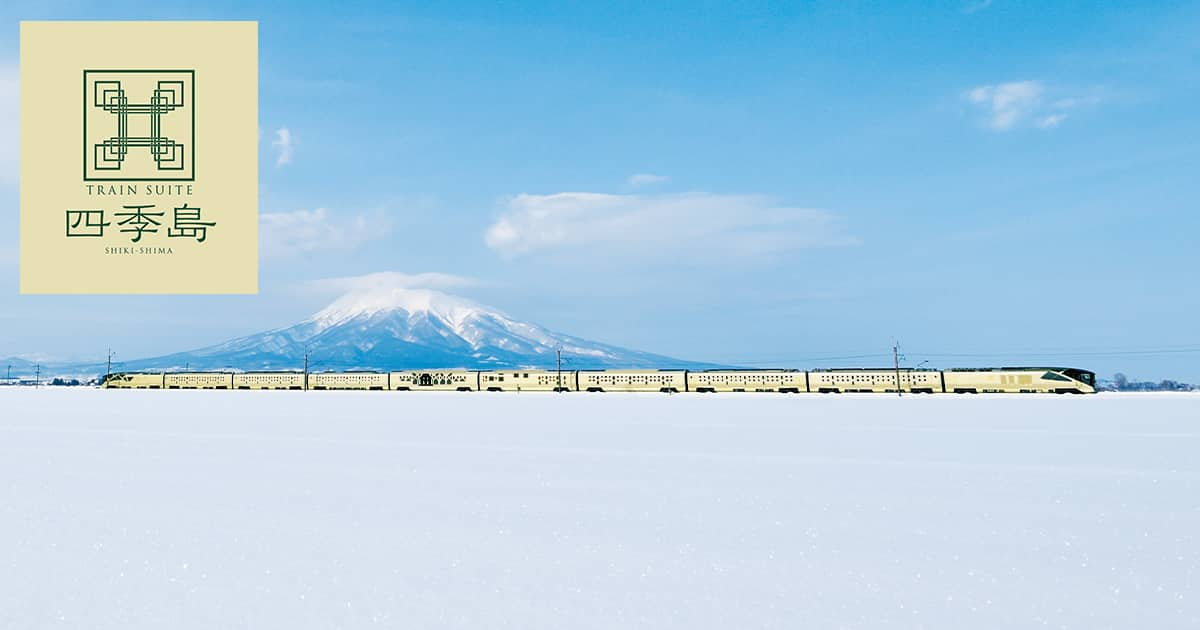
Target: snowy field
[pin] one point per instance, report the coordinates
(180, 509)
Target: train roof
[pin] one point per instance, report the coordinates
(633, 370)
(449, 369)
(1028, 368)
(877, 369)
(747, 370)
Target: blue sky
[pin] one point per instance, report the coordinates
(990, 182)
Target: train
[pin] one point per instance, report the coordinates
(1006, 380)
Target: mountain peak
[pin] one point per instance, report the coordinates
(394, 300)
(396, 327)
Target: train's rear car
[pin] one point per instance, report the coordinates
(134, 381)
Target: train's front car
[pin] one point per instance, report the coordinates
(1083, 380)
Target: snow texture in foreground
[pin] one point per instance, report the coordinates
(180, 509)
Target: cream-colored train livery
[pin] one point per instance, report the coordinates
(1014, 380)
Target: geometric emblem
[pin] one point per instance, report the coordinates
(139, 125)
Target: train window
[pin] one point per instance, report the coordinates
(1053, 376)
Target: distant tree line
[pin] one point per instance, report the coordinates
(57, 381)
(1121, 383)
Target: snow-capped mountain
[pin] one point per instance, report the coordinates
(399, 328)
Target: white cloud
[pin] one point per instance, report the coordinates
(1051, 121)
(1007, 103)
(1007, 106)
(283, 145)
(393, 280)
(283, 234)
(696, 224)
(647, 179)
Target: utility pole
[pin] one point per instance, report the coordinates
(306, 353)
(896, 360)
(8, 380)
(37, 381)
(108, 370)
(558, 352)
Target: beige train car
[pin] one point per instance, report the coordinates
(1020, 380)
(198, 380)
(527, 380)
(268, 380)
(348, 380)
(435, 380)
(874, 380)
(134, 381)
(632, 380)
(786, 381)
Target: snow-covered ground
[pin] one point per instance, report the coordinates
(178, 509)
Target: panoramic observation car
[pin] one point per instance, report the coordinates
(1019, 380)
(135, 381)
(1007, 380)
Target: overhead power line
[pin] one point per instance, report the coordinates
(792, 359)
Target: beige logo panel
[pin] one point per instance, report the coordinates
(139, 157)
